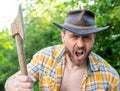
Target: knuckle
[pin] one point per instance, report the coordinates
(30, 85)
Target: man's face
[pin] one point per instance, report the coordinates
(77, 46)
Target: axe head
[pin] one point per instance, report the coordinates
(17, 25)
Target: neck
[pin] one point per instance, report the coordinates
(74, 67)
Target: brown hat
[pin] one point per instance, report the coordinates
(80, 22)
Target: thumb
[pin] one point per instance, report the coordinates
(32, 79)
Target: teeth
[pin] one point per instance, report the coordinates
(79, 51)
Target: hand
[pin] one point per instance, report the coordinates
(21, 83)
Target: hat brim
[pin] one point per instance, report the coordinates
(80, 31)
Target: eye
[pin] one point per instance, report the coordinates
(75, 36)
(87, 37)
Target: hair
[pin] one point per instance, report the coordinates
(63, 30)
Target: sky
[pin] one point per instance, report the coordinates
(8, 11)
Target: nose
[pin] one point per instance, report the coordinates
(80, 42)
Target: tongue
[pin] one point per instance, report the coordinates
(79, 55)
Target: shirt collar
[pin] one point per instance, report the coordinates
(60, 54)
(93, 62)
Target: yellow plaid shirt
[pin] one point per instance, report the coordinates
(48, 65)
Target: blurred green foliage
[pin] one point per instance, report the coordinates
(40, 32)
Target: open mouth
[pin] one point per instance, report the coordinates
(79, 52)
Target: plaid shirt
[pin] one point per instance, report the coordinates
(48, 65)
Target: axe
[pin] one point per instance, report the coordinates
(17, 27)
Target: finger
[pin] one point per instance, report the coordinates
(22, 78)
(23, 85)
(32, 79)
(22, 89)
(26, 79)
(27, 85)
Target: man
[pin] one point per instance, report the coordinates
(71, 66)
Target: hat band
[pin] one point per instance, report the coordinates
(79, 27)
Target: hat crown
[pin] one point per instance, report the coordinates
(84, 18)
(80, 22)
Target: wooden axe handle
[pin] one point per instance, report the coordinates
(21, 55)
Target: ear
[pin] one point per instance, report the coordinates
(95, 34)
(94, 37)
(63, 35)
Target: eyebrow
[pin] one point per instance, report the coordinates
(81, 34)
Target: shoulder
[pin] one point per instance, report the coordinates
(50, 51)
(103, 65)
(105, 70)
